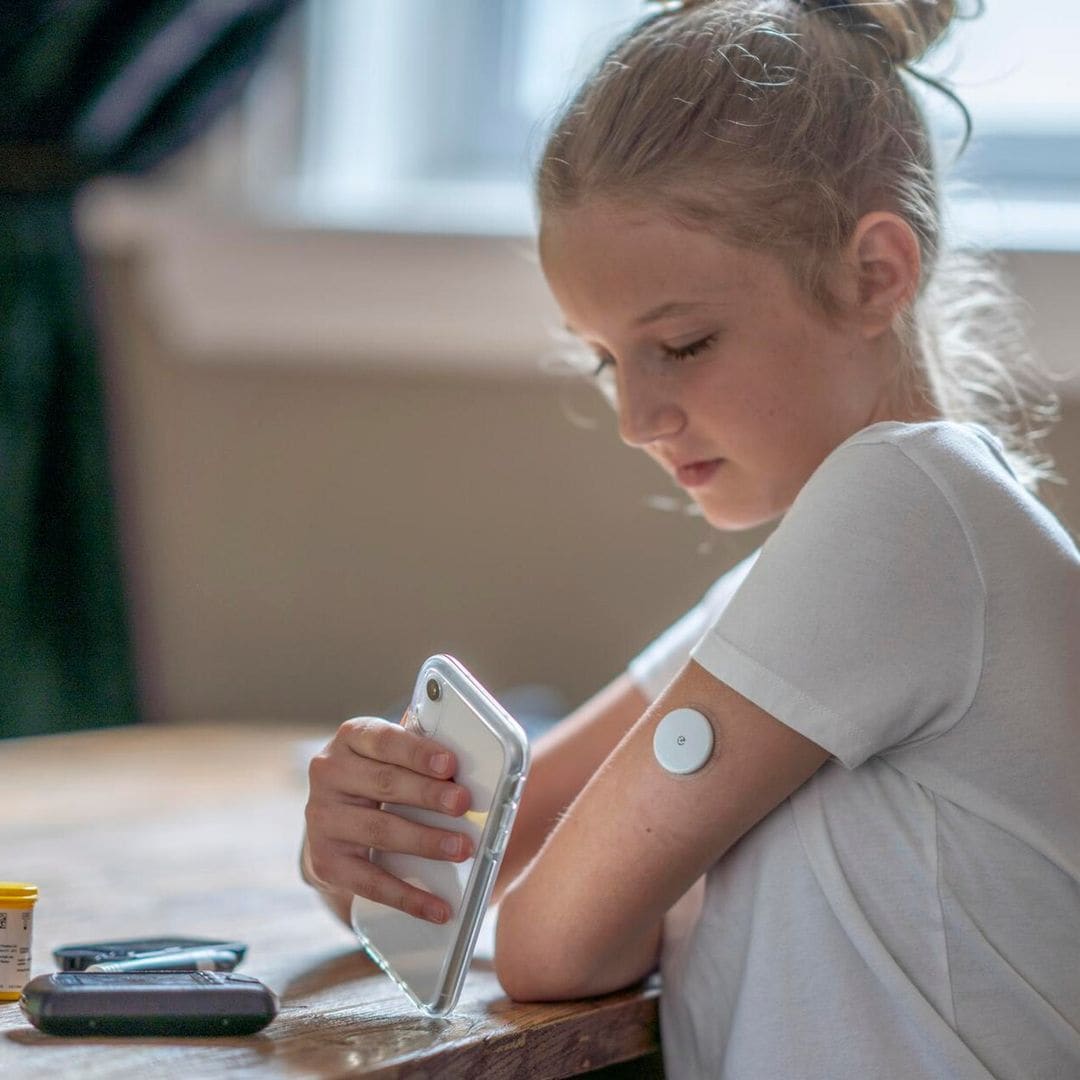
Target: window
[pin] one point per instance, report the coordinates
(424, 113)
(427, 114)
(1018, 182)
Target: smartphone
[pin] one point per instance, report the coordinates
(148, 1003)
(429, 962)
(80, 957)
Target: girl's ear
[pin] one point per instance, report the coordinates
(884, 253)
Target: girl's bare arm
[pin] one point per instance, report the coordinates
(563, 760)
(588, 914)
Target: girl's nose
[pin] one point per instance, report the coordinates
(647, 410)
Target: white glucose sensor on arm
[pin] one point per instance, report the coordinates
(683, 741)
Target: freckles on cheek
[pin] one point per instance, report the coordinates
(766, 404)
(797, 380)
(792, 355)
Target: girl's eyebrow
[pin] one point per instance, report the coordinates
(671, 307)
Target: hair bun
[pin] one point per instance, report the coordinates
(906, 29)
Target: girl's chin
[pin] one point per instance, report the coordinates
(729, 518)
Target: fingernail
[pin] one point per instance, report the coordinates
(451, 845)
(435, 912)
(440, 762)
(449, 799)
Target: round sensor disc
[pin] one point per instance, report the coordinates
(683, 741)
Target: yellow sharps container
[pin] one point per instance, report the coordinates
(17, 901)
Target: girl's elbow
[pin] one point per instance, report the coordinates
(524, 986)
(528, 961)
(524, 982)
(537, 959)
(545, 979)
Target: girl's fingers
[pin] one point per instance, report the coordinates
(377, 781)
(391, 783)
(352, 872)
(371, 761)
(369, 827)
(382, 740)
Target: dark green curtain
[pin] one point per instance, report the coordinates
(87, 87)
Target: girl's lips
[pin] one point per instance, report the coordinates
(697, 473)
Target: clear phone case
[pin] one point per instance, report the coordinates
(429, 961)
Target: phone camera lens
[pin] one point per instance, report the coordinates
(434, 691)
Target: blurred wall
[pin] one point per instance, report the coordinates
(300, 533)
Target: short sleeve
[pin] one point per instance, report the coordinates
(658, 663)
(861, 625)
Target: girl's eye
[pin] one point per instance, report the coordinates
(693, 349)
(602, 361)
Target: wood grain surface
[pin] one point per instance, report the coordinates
(195, 831)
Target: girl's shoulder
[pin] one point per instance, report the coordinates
(944, 441)
(898, 471)
(964, 461)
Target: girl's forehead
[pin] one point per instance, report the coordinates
(600, 216)
(598, 241)
(614, 241)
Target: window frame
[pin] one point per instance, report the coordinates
(1012, 189)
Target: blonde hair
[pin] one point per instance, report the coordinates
(778, 124)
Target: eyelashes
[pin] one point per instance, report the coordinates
(691, 350)
(604, 360)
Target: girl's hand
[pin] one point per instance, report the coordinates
(370, 761)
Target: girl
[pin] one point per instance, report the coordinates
(876, 872)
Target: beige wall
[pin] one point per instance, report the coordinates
(300, 536)
(299, 541)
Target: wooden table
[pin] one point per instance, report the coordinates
(195, 830)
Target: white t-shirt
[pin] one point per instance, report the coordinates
(912, 911)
